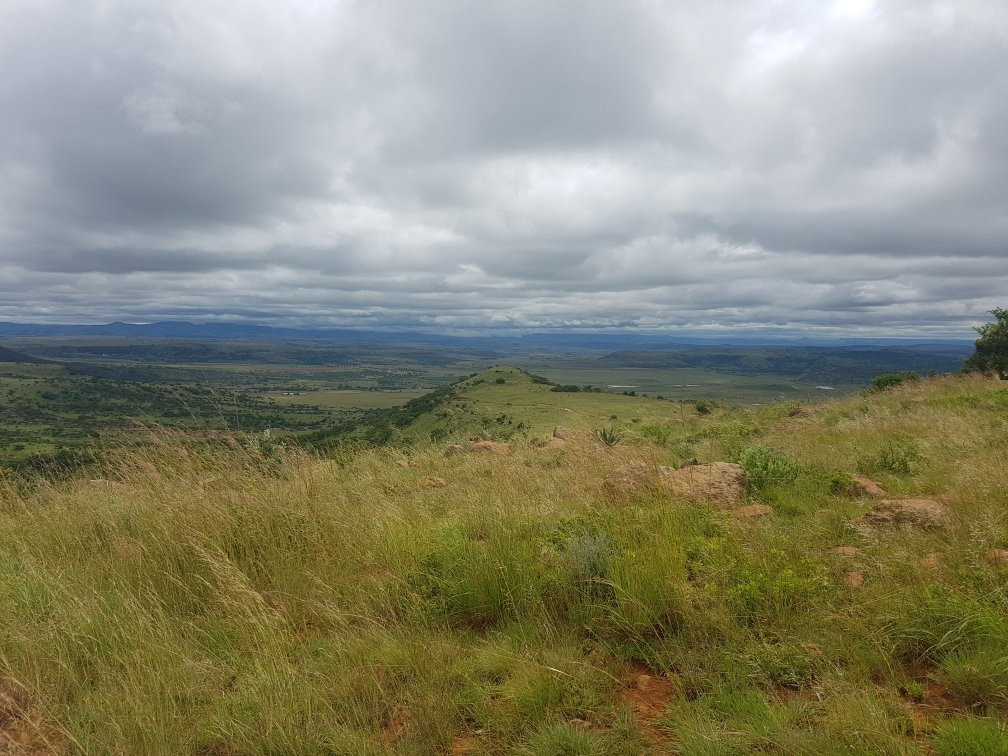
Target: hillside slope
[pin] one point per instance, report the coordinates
(9, 355)
(528, 598)
(502, 403)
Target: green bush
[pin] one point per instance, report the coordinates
(992, 347)
(764, 466)
(896, 457)
(889, 380)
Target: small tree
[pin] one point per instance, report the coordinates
(992, 347)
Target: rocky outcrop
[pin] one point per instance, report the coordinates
(865, 486)
(720, 483)
(921, 513)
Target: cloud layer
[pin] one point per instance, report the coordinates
(453, 165)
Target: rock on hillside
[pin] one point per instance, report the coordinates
(720, 483)
(922, 513)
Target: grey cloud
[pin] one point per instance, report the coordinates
(460, 165)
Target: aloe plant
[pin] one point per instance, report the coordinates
(608, 436)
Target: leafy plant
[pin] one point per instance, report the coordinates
(764, 466)
(992, 347)
(608, 436)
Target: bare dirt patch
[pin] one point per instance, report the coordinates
(648, 696)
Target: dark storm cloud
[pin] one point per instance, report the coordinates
(452, 164)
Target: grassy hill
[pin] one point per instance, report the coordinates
(49, 414)
(9, 355)
(501, 403)
(535, 598)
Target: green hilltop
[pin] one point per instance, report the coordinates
(502, 404)
(827, 578)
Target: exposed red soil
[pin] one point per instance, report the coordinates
(648, 696)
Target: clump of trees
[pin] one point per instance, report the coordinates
(888, 380)
(991, 353)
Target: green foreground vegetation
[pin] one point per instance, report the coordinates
(538, 597)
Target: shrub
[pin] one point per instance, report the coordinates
(889, 380)
(775, 585)
(765, 466)
(992, 347)
(783, 665)
(899, 458)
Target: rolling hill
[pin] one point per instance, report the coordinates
(9, 355)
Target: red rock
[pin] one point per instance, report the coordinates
(868, 486)
(923, 513)
(491, 447)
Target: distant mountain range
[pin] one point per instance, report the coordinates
(597, 341)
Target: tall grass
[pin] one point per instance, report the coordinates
(237, 597)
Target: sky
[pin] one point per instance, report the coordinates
(449, 165)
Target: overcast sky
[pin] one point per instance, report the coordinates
(451, 164)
